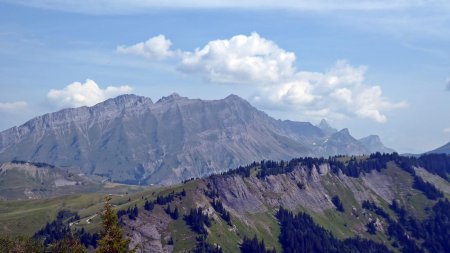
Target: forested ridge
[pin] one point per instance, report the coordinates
(299, 232)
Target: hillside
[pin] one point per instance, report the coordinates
(130, 139)
(252, 196)
(25, 180)
(442, 150)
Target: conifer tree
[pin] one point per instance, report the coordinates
(68, 245)
(111, 240)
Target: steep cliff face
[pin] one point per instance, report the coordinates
(311, 189)
(256, 195)
(133, 140)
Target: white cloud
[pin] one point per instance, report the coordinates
(240, 59)
(84, 94)
(447, 86)
(13, 106)
(157, 47)
(447, 130)
(343, 94)
(337, 93)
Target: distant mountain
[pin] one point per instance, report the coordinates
(342, 142)
(442, 150)
(373, 144)
(326, 128)
(23, 180)
(130, 139)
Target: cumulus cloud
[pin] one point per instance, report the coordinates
(13, 106)
(84, 94)
(240, 59)
(157, 47)
(338, 92)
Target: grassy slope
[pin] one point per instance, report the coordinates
(25, 217)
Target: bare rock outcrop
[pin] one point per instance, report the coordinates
(147, 233)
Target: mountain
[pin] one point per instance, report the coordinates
(335, 143)
(373, 144)
(130, 139)
(442, 150)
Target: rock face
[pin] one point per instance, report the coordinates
(310, 188)
(373, 144)
(442, 150)
(130, 139)
(253, 195)
(147, 233)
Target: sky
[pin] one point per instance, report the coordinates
(375, 67)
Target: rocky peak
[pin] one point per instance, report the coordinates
(323, 124)
(172, 97)
(374, 139)
(236, 100)
(326, 128)
(344, 132)
(233, 97)
(373, 144)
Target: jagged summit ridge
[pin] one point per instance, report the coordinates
(172, 97)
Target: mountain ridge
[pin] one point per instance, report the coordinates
(130, 139)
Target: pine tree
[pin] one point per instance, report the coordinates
(20, 244)
(175, 214)
(68, 245)
(111, 240)
(337, 202)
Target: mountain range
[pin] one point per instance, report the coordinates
(131, 139)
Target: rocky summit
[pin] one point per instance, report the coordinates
(131, 139)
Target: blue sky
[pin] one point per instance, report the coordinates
(375, 67)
